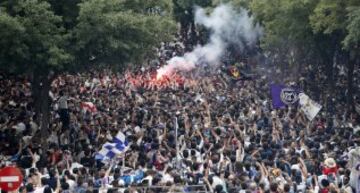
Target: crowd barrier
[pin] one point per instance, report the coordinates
(160, 189)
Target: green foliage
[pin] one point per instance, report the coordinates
(353, 36)
(329, 16)
(184, 9)
(338, 18)
(302, 21)
(189, 4)
(67, 9)
(286, 25)
(57, 35)
(34, 38)
(235, 3)
(118, 32)
(52, 34)
(13, 50)
(161, 7)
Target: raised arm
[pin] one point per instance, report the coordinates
(303, 167)
(33, 157)
(107, 173)
(262, 173)
(215, 135)
(266, 172)
(58, 185)
(20, 148)
(240, 152)
(206, 176)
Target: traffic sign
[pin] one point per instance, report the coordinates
(10, 178)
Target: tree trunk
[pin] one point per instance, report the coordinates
(193, 35)
(45, 111)
(36, 88)
(327, 57)
(350, 81)
(41, 86)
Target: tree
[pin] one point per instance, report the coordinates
(235, 3)
(352, 38)
(327, 22)
(68, 10)
(351, 44)
(319, 32)
(336, 19)
(156, 7)
(288, 37)
(33, 43)
(118, 32)
(42, 39)
(184, 14)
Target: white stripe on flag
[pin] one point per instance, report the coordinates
(112, 147)
(116, 151)
(120, 136)
(103, 151)
(9, 179)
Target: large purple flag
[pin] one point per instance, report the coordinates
(283, 96)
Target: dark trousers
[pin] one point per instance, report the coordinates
(64, 118)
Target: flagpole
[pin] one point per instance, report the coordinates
(123, 165)
(176, 143)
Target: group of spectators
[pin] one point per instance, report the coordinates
(229, 139)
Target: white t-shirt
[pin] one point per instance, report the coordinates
(218, 181)
(53, 138)
(320, 178)
(63, 102)
(64, 140)
(149, 179)
(72, 184)
(167, 178)
(39, 190)
(266, 183)
(34, 126)
(20, 127)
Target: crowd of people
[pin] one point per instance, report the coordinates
(229, 139)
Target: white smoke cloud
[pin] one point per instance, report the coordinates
(227, 26)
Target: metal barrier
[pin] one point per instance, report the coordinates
(161, 189)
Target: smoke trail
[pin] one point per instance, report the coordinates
(227, 26)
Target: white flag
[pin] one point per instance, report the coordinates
(357, 108)
(308, 106)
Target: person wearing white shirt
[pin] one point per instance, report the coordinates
(63, 110)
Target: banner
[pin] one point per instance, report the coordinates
(283, 96)
(308, 106)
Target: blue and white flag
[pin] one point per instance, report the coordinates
(109, 150)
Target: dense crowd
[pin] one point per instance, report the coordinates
(229, 138)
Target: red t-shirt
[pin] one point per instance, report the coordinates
(325, 190)
(327, 171)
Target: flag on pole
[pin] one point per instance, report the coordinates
(109, 150)
(308, 106)
(283, 96)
